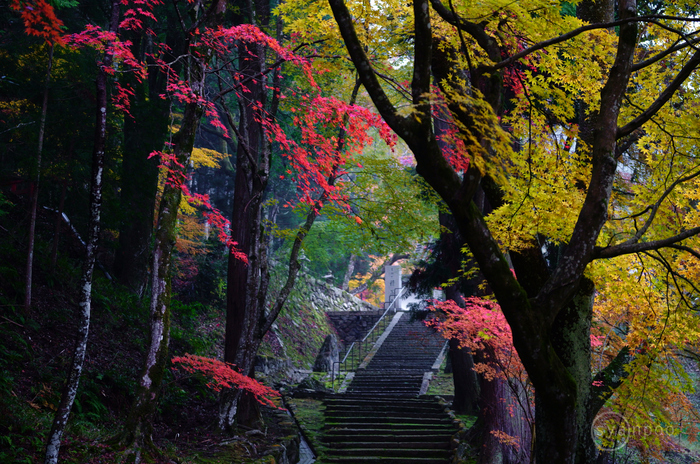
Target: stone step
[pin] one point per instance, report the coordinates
(373, 376)
(380, 418)
(380, 384)
(396, 426)
(394, 452)
(336, 415)
(394, 443)
(395, 418)
(409, 392)
(383, 460)
(383, 435)
(381, 409)
(348, 400)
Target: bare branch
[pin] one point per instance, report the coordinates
(18, 126)
(627, 248)
(660, 258)
(686, 249)
(655, 207)
(664, 54)
(665, 96)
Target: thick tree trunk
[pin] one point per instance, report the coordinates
(247, 282)
(506, 431)
(143, 134)
(571, 333)
(466, 384)
(70, 389)
(35, 190)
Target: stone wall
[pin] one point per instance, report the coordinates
(294, 341)
(325, 297)
(353, 325)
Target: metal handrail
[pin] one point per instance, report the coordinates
(364, 342)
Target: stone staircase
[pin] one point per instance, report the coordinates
(403, 361)
(381, 417)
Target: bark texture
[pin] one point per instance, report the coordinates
(533, 306)
(136, 435)
(70, 389)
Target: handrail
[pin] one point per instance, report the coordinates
(364, 342)
(391, 305)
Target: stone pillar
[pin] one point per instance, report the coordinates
(392, 284)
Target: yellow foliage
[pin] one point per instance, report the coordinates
(206, 158)
(17, 107)
(190, 235)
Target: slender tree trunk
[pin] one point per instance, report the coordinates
(71, 388)
(348, 273)
(35, 189)
(137, 433)
(138, 428)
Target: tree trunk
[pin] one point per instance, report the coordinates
(466, 384)
(35, 189)
(246, 285)
(345, 286)
(143, 134)
(139, 424)
(70, 389)
(501, 413)
(138, 427)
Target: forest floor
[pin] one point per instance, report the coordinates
(36, 349)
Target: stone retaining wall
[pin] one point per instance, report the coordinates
(353, 325)
(325, 297)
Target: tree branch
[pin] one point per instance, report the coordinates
(314, 212)
(593, 215)
(399, 124)
(663, 98)
(612, 377)
(661, 55)
(627, 248)
(485, 41)
(686, 249)
(655, 207)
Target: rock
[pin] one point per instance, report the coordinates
(312, 384)
(271, 366)
(327, 355)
